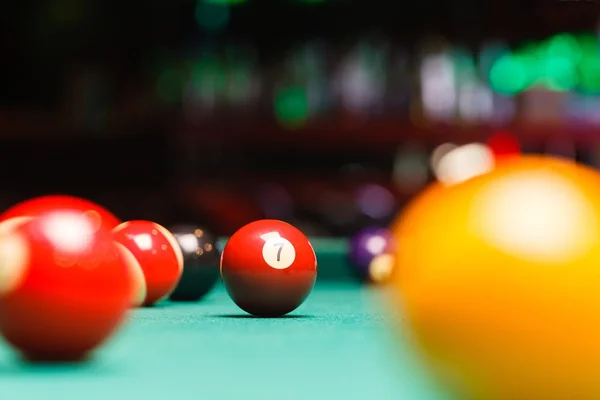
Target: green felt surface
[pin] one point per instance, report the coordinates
(338, 345)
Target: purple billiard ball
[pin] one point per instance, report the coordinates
(370, 255)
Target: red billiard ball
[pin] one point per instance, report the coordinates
(155, 257)
(268, 268)
(64, 286)
(39, 205)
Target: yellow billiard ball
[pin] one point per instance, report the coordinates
(499, 277)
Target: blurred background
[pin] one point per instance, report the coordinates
(323, 113)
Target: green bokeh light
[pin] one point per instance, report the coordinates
(212, 16)
(589, 74)
(563, 46)
(562, 63)
(560, 74)
(291, 106)
(510, 74)
(588, 44)
(533, 59)
(208, 75)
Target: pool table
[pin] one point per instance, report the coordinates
(338, 345)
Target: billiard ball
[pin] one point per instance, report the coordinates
(64, 286)
(268, 268)
(499, 280)
(154, 257)
(39, 205)
(200, 262)
(370, 255)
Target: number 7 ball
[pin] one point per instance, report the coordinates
(268, 268)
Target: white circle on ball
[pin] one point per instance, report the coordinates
(278, 253)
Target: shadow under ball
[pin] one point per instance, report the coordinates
(200, 262)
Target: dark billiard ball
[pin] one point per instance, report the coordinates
(200, 262)
(268, 268)
(64, 285)
(370, 255)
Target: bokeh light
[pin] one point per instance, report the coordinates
(464, 162)
(509, 74)
(291, 106)
(212, 15)
(375, 201)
